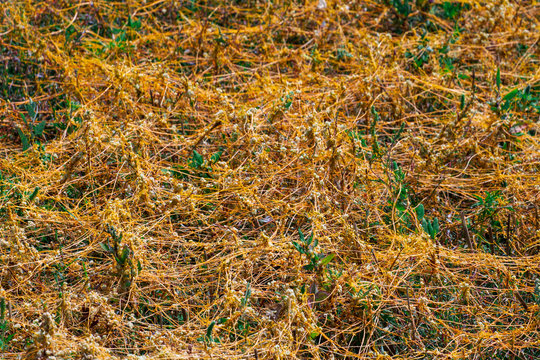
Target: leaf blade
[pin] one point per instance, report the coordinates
(327, 259)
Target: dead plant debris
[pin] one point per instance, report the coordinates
(269, 179)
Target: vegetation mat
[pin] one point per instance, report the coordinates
(269, 179)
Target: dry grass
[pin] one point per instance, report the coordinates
(159, 159)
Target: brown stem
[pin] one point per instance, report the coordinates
(466, 232)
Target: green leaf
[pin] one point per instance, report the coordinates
(420, 212)
(178, 172)
(135, 24)
(38, 129)
(327, 259)
(24, 140)
(2, 308)
(215, 158)
(512, 94)
(70, 30)
(308, 267)
(34, 194)
(435, 226)
(209, 330)
(5, 341)
(309, 239)
(247, 294)
(430, 228)
(425, 225)
(301, 234)
(24, 119)
(197, 160)
(313, 335)
(31, 107)
(298, 247)
(105, 247)
(124, 255)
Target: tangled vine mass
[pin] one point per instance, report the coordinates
(315, 179)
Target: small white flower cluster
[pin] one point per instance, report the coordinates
(159, 338)
(250, 201)
(113, 319)
(115, 212)
(280, 351)
(44, 334)
(220, 115)
(136, 357)
(15, 238)
(465, 290)
(90, 348)
(265, 240)
(233, 299)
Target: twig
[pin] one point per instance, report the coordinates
(466, 231)
(413, 323)
(521, 301)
